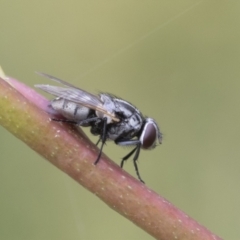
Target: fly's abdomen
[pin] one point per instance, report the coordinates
(70, 110)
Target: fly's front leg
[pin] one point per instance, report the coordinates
(136, 150)
(128, 143)
(135, 162)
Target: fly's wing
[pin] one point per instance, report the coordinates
(76, 95)
(56, 79)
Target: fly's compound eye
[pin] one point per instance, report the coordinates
(150, 134)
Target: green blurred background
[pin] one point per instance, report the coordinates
(178, 61)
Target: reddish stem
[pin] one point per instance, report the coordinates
(72, 152)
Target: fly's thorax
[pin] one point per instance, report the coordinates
(108, 105)
(130, 115)
(130, 118)
(69, 109)
(135, 121)
(125, 108)
(126, 128)
(102, 115)
(116, 130)
(150, 134)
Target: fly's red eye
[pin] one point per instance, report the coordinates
(149, 135)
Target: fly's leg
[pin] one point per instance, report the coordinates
(103, 136)
(98, 141)
(136, 150)
(103, 139)
(135, 162)
(127, 157)
(128, 143)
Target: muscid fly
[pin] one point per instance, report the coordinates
(109, 117)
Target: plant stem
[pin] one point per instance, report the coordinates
(72, 152)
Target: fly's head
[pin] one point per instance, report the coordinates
(150, 134)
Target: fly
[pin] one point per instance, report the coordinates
(108, 117)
